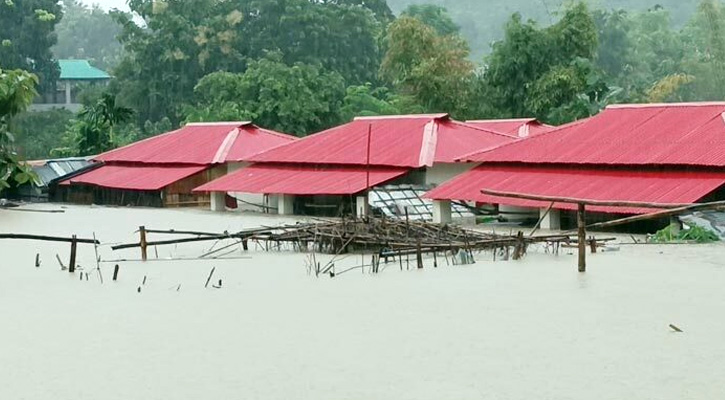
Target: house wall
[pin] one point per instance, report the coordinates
(442, 172)
(249, 201)
(179, 193)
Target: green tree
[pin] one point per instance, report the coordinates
(364, 100)
(88, 33)
(297, 99)
(337, 35)
(435, 16)
(704, 39)
(636, 50)
(26, 36)
(547, 72)
(181, 42)
(38, 132)
(17, 90)
(432, 69)
(92, 131)
(184, 41)
(483, 22)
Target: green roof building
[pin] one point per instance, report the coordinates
(73, 74)
(80, 70)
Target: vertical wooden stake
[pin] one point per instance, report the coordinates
(245, 245)
(593, 244)
(582, 237)
(142, 234)
(419, 255)
(115, 272)
(73, 247)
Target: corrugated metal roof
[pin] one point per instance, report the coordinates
(301, 180)
(80, 70)
(200, 144)
(134, 177)
(657, 134)
(403, 141)
(520, 127)
(590, 184)
(48, 170)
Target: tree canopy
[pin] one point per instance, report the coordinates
(27, 32)
(87, 33)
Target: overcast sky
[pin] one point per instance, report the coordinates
(109, 4)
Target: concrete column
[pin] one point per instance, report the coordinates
(441, 211)
(362, 207)
(285, 204)
(67, 92)
(552, 220)
(218, 202)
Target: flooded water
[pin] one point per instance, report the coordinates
(530, 329)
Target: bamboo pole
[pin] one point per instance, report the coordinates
(582, 236)
(142, 242)
(572, 200)
(22, 236)
(73, 248)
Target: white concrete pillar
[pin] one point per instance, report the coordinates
(218, 202)
(67, 92)
(441, 211)
(362, 207)
(552, 220)
(285, 204)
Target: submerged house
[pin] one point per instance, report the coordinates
(653, 153)
(162, 171)
(339, 165)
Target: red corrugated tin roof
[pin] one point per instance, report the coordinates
(520, 127)
(605, 185)
(655, 134)
(200, 144)
(134, 177)
(402, 141)
(301, 180)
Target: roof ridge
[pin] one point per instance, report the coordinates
(402, 116)
(465, 157)
(219, 123)
(148, 139)
(503, 120)
(478, 128)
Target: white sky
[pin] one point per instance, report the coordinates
(108, 4)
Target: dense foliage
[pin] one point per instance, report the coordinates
(483, 22)
(17, 89)
(26, 35)
(87, 33)
(300, 66)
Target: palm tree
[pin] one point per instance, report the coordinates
(99, 119)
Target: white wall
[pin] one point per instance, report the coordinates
(255, 198)
(443, 172)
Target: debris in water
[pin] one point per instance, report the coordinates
(675, 328)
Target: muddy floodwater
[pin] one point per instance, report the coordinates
(529, 329)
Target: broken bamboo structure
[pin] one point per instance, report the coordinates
(669, 209)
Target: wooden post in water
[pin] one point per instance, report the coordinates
(142, 242)
(115, 272)
(582, 236)
(419, 255)
(73, 248)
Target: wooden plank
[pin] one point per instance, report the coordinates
(22, 236)
(572, 200)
